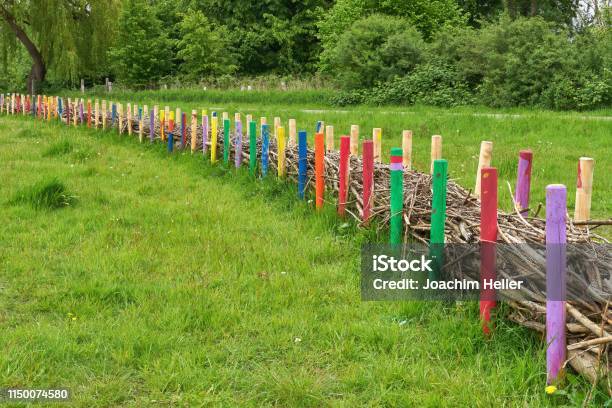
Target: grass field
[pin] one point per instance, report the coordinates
(167, 281)
(557, 139)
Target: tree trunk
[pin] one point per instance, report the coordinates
(39, 69)
(534, 8)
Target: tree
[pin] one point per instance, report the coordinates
(142, 53)
(202, 49)
(66, 34)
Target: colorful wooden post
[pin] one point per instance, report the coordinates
(104, 114)
(396, 169)
(368, 178)
(96, 113)
(213, 138)
(438, 202)
(484, 160)
(488, 239)
(89, 113)
(152, 119)
(319, 170)
(407, 149)
(354, 140)
(162, 125)
(140, 125)
(523, 181)
(225, 116)
(129, 118)
(343, 173)
(556, 209)
(183, 130)
(113, 114)
(292, 132)
(120, 123)
(194, 129)
(302, 164)
(68, 110)
(238, 141)
(584, 189)
(280, 143)
(329, 138)
(253, 148)
(277, 123)
(438, 218)
(320, 127)
(171, 132)
(204, 131)
(377, 138)
(75, 116)
(436, 150)
(265, 149)
(226, 140)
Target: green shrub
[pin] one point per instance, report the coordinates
(374, 50)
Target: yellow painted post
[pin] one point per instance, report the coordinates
(280, 137)
(436, 150)
(103, 114)
(355, 140)
(162, 125)
(194, 129)
(377, 139)
(484, 160)
(407, 149)
(584, 189)
(214, 122)
(329, 138)
(292, 132)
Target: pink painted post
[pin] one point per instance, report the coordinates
(523, 181)
(556, 210)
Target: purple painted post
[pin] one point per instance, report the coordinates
(152, 125)
(204, 132)
(523, 181)
(238, 144)
(556, 210)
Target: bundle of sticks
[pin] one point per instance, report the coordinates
(589, 325)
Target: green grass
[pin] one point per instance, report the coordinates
(174, 282)
(557, 139)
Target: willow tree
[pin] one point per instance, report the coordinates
(69, 36)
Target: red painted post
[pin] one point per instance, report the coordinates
(319, 169)
(89, 113)
(345, 152)
(488, 238)
(368, 178)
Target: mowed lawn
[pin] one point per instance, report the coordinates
(171, 282)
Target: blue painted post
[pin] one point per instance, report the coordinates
(265, 148)
(113, 114)
(302, 163)
(170, 141)
(59, 108)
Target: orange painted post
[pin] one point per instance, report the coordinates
(319, 169)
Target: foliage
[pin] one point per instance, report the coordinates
(141, 53)
(375, 49)
(202, 49)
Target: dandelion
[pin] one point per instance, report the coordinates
(551, 389)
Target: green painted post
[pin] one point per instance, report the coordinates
(438, 215)
(252, 147)
(226, 140)
(397, 195)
